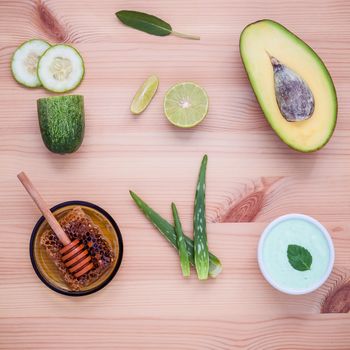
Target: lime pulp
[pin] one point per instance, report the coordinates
(186, 104)
(144, 95)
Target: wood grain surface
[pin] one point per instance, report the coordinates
(252, 178)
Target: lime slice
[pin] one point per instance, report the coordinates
(186, 104)
(144, 95)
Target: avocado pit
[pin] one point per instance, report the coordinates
(294, 97)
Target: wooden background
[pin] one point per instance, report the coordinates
(252, 179)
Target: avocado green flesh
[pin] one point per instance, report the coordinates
(263, 38)
(62, 122)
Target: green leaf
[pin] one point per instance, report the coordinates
(168, 231)
(181, 243)
(149, 24)
(201, 253)
(145, 22)
(299, 257)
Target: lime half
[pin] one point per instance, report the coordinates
(186, 104)
(144, 95)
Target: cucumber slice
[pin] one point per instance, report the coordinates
(61, 68)
(25, 60)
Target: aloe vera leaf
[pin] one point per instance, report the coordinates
(201, 253)
(181, 243)
(168, 231)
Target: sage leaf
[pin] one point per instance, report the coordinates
(149, 24)
(299, 257)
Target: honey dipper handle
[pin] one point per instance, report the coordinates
(44, 208)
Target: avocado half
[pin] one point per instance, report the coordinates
(263, 39)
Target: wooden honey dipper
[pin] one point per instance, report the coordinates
(74, 256)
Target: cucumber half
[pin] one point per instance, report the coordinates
(61, 68)
(62, 122)
(25, 60)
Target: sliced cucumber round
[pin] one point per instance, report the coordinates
(61, 68)
(25, 60)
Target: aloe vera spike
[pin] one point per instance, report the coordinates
(181, 243)
(201, 254)
(168, 231)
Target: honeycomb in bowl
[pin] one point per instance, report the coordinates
(79, 225)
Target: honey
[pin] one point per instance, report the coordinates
(97, 234)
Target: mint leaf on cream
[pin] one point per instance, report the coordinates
(299, 257)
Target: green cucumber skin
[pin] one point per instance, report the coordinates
(181, 243)
(62, 122)
(201, 255)
(168, 231)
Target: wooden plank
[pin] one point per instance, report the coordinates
(278, 188)
(297, 333)
(150, 278)
(252, 178)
